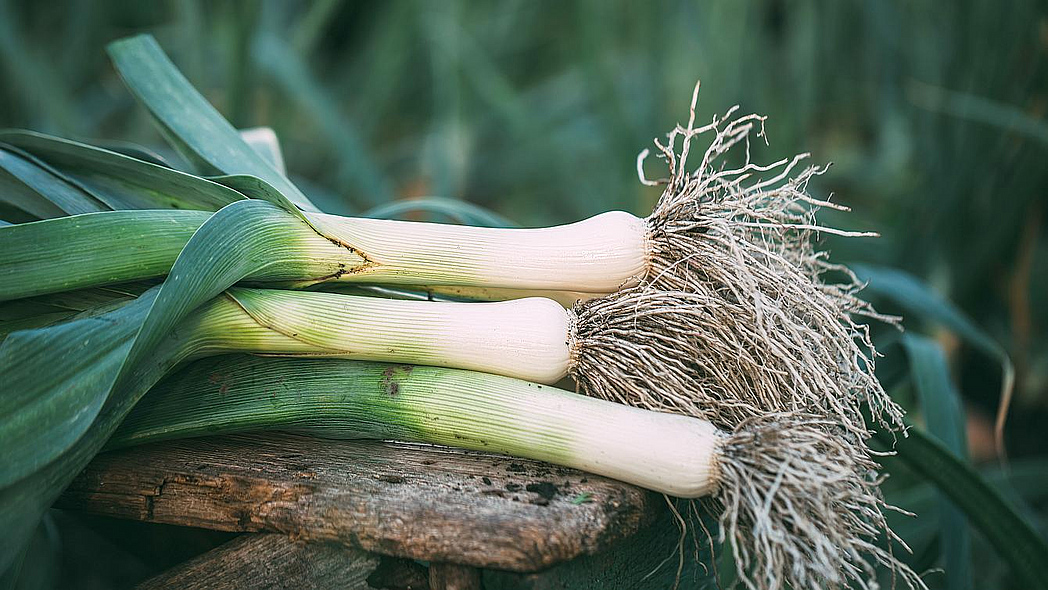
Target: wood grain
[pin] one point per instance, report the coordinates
(412, 501)
(270, 562)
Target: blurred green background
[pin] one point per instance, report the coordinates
(932, 113)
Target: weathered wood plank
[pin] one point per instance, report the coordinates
(270, 562)
(411, 501)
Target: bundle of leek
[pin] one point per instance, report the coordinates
(713, 306)
(721, 282)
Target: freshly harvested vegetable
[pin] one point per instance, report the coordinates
(780, 481)
(621, 347)
(667, 453)
(752, 344)
(732, 246)
(800, 499)
(713, 306)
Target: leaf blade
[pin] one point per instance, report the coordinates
(944, 418)
(1013, 538)
(189, 121)
(120, 181)
(917, 298)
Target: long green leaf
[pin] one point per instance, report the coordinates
(120, 181)
(26, 187)
(264, 141)
(1013, 538)
(189, 122)
(66, 197)
(95, 249)
(55, 381)
(38, 312)
(139, 152)
(944, 418)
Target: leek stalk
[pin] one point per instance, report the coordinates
(595, 256)
(362, 400)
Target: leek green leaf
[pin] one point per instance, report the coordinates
(87, 250)
(38, 312)
(55, 381)
(120, 181)
(28, 186)
(264, 141)
(65, 388)
(192, 126)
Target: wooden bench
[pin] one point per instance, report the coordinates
(349, 514)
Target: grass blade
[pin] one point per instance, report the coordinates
(944, 418)
(1012, 537)
(920, 300)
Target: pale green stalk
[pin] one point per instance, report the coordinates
(362, 400)
(598, 255)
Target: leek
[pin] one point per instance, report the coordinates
(712, 307)
(723, 276)
(795, 502)
(663, 452)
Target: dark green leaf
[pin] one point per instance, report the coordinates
(1012, 537)
(920, 300)
(120, 181)
(189, 122)
(30, 187)
(945, 420)
(55, 381)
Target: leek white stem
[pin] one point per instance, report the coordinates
(565, 298)
(525, 338)
(599, 254)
